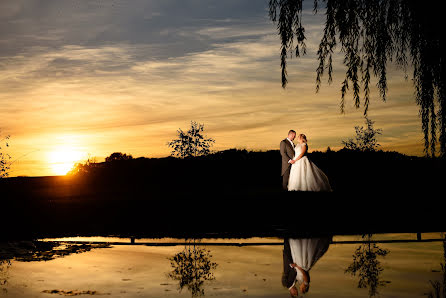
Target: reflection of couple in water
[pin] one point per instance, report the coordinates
(299, 256)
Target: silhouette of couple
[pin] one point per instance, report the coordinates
(299, 256)
(298, 172)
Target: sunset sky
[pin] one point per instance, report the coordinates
(81, 78)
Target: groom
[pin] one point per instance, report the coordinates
(287, 152)
(289, 273)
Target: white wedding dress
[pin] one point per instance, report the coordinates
(306, 252)
(305, 175)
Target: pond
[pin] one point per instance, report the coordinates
(390, 267)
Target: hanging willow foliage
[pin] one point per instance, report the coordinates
(372, 33)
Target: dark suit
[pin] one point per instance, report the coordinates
(289, 274)
(287, 152)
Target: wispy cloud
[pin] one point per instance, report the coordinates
(113, 76)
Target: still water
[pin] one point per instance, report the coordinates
(211, 268)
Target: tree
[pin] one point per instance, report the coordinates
(191, 143)
(118, 156)
(4, 158)
(371, 34)
(365, 138)
(83, 168)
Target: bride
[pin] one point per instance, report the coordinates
(304, 174)
(300, 255)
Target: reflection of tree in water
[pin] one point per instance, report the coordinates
(4, 266)
(29, 251)
(192, 267)
(367, 266)
(439, 288)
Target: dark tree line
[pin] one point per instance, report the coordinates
(371, 34)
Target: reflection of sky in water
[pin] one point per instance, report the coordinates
(255, 271)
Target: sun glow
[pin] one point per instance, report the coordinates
(62, 160)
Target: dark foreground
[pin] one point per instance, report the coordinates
(223, 215)
(237, 195)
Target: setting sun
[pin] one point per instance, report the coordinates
(63, 160)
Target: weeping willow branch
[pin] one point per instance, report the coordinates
(372, 34)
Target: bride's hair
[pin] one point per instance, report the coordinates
(304, 137)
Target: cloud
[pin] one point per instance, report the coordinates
(112, 76)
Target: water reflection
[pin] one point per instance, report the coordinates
(35, 251)
(4, 266)
(439, 288)
(159, 268)
(28, 251)
(299, 256)
(192, 267)
(367, 266)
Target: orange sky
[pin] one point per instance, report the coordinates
(93, 78)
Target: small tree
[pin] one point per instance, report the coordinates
(365, 138)
(83, 168)
(191, 143)
(118, 156)
(4, 158)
